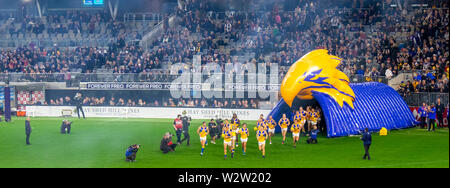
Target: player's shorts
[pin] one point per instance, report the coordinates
(203, 138)
(284, 129)
(272, 131)
(236, 131)
(295, 134)
(227, 143)
(233, 138)
(313, 122)
(244, 139)
(261, 143)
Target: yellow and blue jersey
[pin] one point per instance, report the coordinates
(235, 122)
(261, 123)
(304, 114)
(203, 131)
(228, 125)
(295, 128)
(226, 134)
(314, 116)
(297, 116)
(271, 123)
(261, 135)
(284, 122)
(233, 126)
(243, 132)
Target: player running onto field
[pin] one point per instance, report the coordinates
(235, 123)
(297, 116)
(271, 125)
(202, 131)
(261, 123)
(226, 134)
(232, 128)
(295, 129)
(313, 117)
(284, 123)
(261, 136)
(244, 137)
(304, 115)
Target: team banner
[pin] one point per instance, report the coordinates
(143, 112)
(177, 86)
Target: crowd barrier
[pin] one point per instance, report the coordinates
(143, 112)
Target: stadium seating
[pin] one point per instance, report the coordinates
(376, 42)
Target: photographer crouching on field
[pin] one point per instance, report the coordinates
(66, 126)
(166, 143)
(130, 154)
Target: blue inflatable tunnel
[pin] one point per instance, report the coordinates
(376, 105)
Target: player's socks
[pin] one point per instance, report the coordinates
(225, 156)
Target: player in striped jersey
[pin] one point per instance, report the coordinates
(226, 135)
(202, 131)
(261, 123)
(261, 136)
(297, 116)
(235, 123)
(271, 125)
(313, 117)
(244, 137)
(295, 129)
(284, 123)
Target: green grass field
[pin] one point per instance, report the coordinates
(101, 142)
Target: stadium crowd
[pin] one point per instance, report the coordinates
(63, 22)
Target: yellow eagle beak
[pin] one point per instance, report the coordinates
(316, 71)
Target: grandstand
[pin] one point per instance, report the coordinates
(378, 42)
(193, 54)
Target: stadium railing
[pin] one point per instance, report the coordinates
(360, 79)
(142, 16)
(416, 99)
(153, 76)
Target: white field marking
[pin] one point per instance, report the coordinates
(412, 163)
